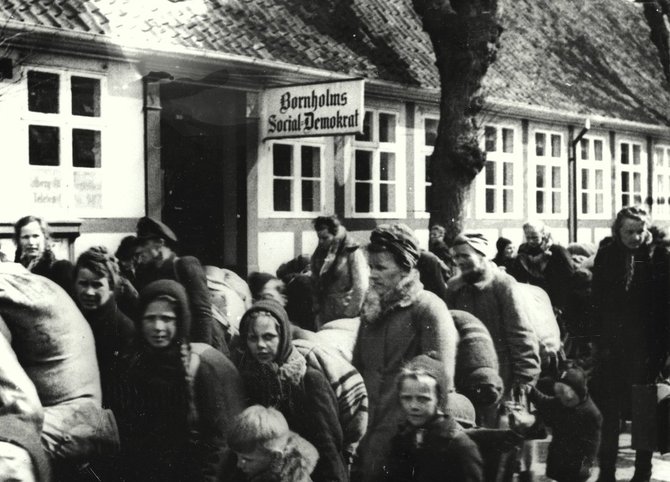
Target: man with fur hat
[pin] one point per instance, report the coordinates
(399, 321)
(158, 260)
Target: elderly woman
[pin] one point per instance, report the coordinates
(96, 281)
(276, 375)
(630, 296)
(33, 251)
(183, 395)
(399, 321)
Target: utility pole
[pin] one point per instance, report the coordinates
(572, 180)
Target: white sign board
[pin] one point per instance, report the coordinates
(325, 109)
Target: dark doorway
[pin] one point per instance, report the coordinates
(202, 157)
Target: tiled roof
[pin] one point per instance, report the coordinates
(580, 56)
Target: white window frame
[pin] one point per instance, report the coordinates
(661, 171)
(66, 122)
(376, 147)
(632, 169)
(499, 158)
(592, 165)
(421, 152)
(549, 162)
(267, 177)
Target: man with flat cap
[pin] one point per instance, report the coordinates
(158, 260)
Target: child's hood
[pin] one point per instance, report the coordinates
(299, 460)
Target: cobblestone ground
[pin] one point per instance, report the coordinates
(625, 464)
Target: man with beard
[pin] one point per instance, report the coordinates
(494, 297)
(158, 260)
(542, 263)
(399, 321)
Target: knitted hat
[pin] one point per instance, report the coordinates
(433, 368)
(461, 409)
(174, 290)
(149, 228)
(278, 313)
(399, 240)
(476, 241)
(22, 433)
(575, 378)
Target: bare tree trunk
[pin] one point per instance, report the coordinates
(465, 38)
(654, 13)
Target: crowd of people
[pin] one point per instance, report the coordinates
(383, 362)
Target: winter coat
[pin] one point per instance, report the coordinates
(439, 451)
(114, 335)
(416, 324)
(432, 272)
(498, 302)
(188, 271)
(60, 271)
(299, 458)
(575, 436)
(631, 324)
(340, 278)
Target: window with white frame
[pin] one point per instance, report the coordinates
(631, 182)
(375, 164)
(593, 179)
(422, 179)
(297, 177)
(661, 206)
(64, 132)
(500, 179)
(548, 176)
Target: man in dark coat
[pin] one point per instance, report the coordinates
(158, 260)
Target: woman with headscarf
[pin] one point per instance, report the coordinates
(505, 253)
(33, 251)
(96, 281)
(630, 296)
(399, 321)
(184, 395)
(276, 375)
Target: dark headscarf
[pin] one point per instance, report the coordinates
(176, 291)
(399, 240)
(278, 313)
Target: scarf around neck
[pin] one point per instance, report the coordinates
(376, 307)
(272, 384)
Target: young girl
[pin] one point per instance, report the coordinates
(267, 450)
(185, 395)
(276, 375)
(429, 446)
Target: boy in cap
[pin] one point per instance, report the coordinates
(430, 446)
(575, 422)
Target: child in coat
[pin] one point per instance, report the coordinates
(267, 451)
(575, 422)
(429, 446)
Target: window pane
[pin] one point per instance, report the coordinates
(43, 92)
(43, 146)
(508, 200)
(556, 177)
(490, 173)
(508, 140)
(540, 144)
(386, 128)
(624, 153)
(555, 145)
(281, 156)
(427, 198)
(85, 96)
(555, 202)
(85, 148)
(585, 203)
(637, 182)
(585, 148)
(599, 179)
(637, 199)
(600, 204)
(490, 138)
(540, 176)
(508, 173)
(658, 157)
(367, 128)
(490, 200)
(539, 201)
(386, 198)
(310, 162)
(363, 197)
(598, 150)
(363, 165)
(386, 166)
(282, 194)
(636, 154)
(311, 195)
(625, 200)
(430, 131)
(585, 178)
(427, 161)
(625, 185)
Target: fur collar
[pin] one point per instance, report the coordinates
(458, 282)
(271, 384)
(401, 296)
(297, 463)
